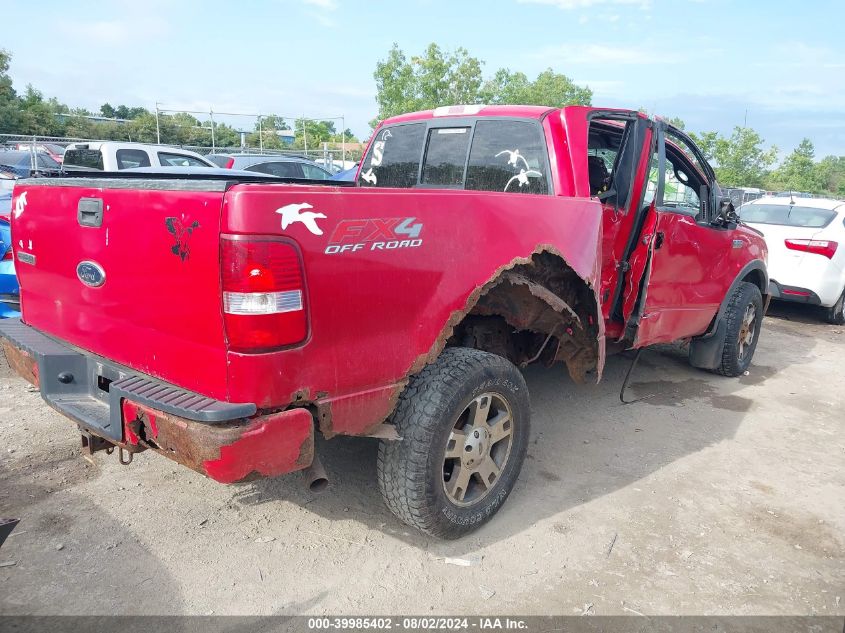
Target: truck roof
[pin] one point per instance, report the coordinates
(521, 111)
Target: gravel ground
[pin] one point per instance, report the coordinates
(710, 496)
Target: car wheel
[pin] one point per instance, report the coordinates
(464, 424)
(744, 317)
(836, 313)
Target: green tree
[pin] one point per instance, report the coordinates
(433, 79)
(740, 160)
(831, 174)
(10, 116)
(549, 89)
(440, 78)
(799, 171)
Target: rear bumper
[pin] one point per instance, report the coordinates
(223, 440)
(793, 293)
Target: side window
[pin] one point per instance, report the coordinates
(314, 173)
(507, 156)
(179, 160)
(683, 179)
(129, 158)
(394, 157)
(284, 169)
(445, 156)
(678, 192)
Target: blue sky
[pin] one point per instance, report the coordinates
(707, 61)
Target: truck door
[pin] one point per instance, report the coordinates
(680, 266)
(618, 158)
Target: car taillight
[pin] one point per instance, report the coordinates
(230, 163)
(819, 247)
(6, 218)
(263, 294)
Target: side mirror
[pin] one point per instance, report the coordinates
(727, 213)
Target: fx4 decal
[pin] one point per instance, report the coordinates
(374, 234)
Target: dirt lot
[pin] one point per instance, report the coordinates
(712, 496)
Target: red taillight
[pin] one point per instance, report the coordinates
(230, 163)
(797, 293)
(819, 247)
(6, 218)
(8, 255)
(263, 294)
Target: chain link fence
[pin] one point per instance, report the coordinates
(46, 151)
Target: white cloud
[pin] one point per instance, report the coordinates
(327, 5)
(568, 5)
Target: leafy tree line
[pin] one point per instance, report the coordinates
(438, 77)
(31, 113)
(741, 160)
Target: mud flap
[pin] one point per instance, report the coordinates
(706, 352)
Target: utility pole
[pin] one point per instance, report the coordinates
(213, 145)
(158, 129)
(343, 140)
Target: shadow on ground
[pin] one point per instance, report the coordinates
(585, 443)
(92, 556)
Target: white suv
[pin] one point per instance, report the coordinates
(114, 156)
(806, 240)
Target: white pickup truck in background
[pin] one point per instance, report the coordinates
(114, 156)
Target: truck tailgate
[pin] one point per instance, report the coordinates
(127, 269)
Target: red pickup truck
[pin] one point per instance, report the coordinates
(223, 321)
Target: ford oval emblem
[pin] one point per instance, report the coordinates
(91, 274)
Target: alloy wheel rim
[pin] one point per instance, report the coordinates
(478, 449)
(747, 330)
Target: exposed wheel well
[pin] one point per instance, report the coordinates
(540, 311)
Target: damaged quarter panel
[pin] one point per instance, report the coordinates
(382, 302)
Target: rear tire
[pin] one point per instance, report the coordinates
(744, 317)
(836, 313)
(464, 424)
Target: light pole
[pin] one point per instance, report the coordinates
(158, 129)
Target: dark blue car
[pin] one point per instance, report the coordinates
(20, 162)
(10, 301)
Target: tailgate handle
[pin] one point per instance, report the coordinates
(90, 212)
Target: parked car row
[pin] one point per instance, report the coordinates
(25, 160)
(275, 165)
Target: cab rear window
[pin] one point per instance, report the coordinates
(394, 157)
(508, 156)
(785, 215)
(83, 157)
(493, 155)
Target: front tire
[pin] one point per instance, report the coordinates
(836, 313)
(464, 424)
(744, 317)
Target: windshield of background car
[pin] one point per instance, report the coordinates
(786, 215)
